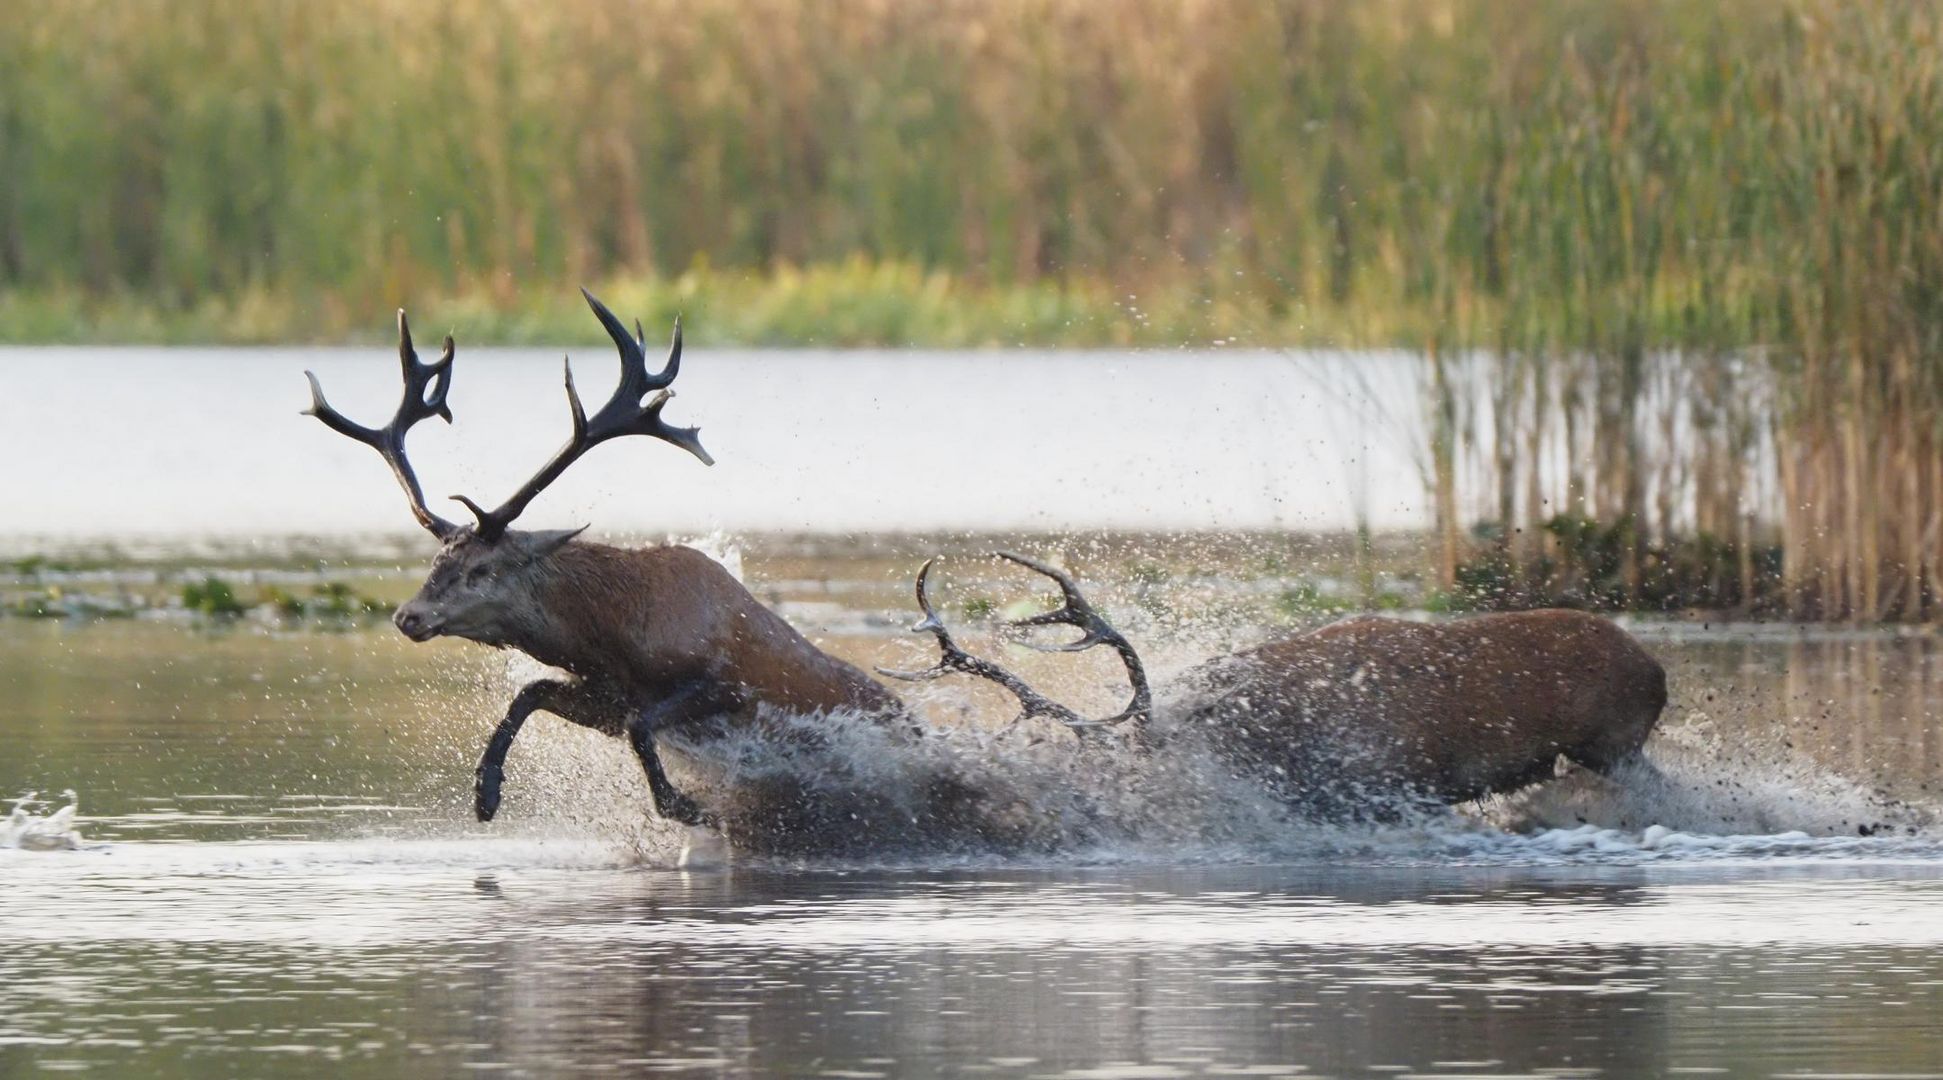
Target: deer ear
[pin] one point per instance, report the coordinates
(543, 542)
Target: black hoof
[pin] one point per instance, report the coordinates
(686, 811)
(485, 793)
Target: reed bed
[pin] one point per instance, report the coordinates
(1676, 269)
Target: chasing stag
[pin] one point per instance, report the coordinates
(1370, 716)
(651, 641)
(1370, 713)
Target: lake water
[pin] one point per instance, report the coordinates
(267, 863)
(277, 874)
(194, 442)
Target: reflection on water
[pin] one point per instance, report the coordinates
(325, 960)
(278, 877)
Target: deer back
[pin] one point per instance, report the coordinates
(651, 618)
(1456, 709)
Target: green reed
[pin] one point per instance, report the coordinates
(1677, 267)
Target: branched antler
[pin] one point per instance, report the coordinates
(425, 389)
(623, 414)
(1075, 612)
(954, 659)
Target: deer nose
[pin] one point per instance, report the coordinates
(412, 624)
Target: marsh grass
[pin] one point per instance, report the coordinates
(1057, 171)
(1677, 268)
(1710, 298)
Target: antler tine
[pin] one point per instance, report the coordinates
(623, 414)
(954, 659)
(633, 349)
(425, 389)
(1076, 612)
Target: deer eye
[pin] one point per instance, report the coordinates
(477, 574)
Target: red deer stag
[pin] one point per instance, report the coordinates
(652, 640)
(1371, 714)
(1368, 711)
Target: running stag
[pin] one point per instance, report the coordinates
(649, 640)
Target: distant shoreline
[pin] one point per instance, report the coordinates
(849, 304)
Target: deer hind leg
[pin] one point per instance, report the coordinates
(1623, 758)
(693, 701)
(572, 701)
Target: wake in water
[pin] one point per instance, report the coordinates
(964, 788)
(1026, 791)
(1706, 785)
(28, 831)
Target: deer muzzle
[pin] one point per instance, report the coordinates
(416, 623)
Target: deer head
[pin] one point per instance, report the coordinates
(482, 581)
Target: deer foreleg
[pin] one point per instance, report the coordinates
(692, 702)
(568, 700)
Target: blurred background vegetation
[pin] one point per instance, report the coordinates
(1674, 267)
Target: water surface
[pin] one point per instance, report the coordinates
(194, 442)
(277, 875)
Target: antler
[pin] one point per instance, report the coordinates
(1075, 612)
(624, 414)
(1095, 630)
(425, 388)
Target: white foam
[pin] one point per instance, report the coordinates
(25, 831)
(1693, 800)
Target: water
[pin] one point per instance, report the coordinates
(181, 442)
(251, 849)
(275, 872)
(456, 958)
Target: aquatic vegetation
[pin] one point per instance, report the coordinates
(1585, 564)
(328, 600)
(45, 604)
(212, 596)
(1669, 264)
(978, 607)
(338, 600)
(50, 589)
(1303, 600)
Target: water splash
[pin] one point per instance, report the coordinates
(26, 831)
(969, 786)
(1039, 796)
(1700, 782)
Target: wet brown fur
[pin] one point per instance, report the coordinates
(650, 618)
(1370, 706)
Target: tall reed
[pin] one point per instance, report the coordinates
(1678, 267)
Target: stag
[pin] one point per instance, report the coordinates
(1372, 713)
(649, 641)
(1370, 716)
